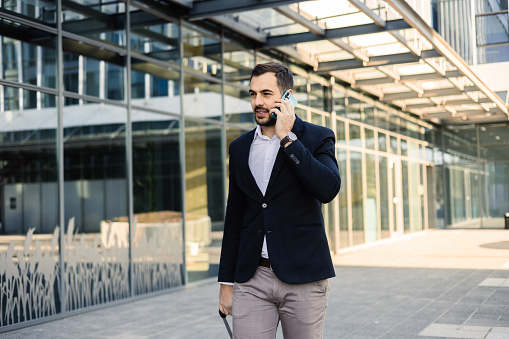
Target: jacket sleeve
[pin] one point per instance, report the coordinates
(235, 208)
(318, 171)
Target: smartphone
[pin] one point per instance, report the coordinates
(291, 98)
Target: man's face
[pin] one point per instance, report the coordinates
(264, 92)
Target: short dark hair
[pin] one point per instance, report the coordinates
(283, 75)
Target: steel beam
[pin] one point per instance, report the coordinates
(369, 13)
(406, 11)
(441, 92)
(206, 9)
(336, 33)
(408, 78)
(301, 20)
(234, 25)
(376, 61)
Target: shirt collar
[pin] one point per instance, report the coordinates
(258, 134)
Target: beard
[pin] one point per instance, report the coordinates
(265, 122)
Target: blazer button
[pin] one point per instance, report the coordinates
(264, 205)
(259, 232)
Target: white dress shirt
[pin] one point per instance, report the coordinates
(262, 156)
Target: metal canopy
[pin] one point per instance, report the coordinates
(383, 48)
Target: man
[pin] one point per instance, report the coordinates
(275, 259)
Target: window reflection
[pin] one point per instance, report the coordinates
(369, 136)
(238, 65)
(385, 200)
(95, 191)
(205, 198)
(28, 209)
(157, 202)
(300, 89)
(317, 97)
(357, 198)
(43, 11)
(157, 40)
(339, 99)
(355, 135)
(202, 98)
(202, 53)
(340, 132)
(343, 199)
(101, 20)
(371, 206)
(237, 107)
(406, 195)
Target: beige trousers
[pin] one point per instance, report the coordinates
(260, 303)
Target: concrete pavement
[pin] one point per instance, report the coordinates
(436, 284)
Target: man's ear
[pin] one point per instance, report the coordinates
(291, 91)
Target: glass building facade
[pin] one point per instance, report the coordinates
(115, 121)
(477, 30)
(472, 180)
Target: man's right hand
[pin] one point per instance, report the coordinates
(225, 299)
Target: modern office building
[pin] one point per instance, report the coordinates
(116, 117)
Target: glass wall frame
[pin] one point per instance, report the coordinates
(374, 183)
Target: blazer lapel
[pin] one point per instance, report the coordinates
(281, 158)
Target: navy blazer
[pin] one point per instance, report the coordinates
(304, 176)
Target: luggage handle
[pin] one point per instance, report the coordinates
(222, 315)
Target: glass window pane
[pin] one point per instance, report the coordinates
(371, 207)
(237, 106)
(382, 142)
(157, 202)
(238, 64)
(300, 89)
(156, 87)
(102, 20)
(202, 98)
(317, 119)
(369, 113)
(317, 97)
(381, 118)
(357, 198)
(343, 199)
(155, 39)
(491, 29)
(29, 213)
(340, 132)
(369, 136)
(415, 198)
(301, 113)
(95, 205)
(406, 195)
(92, 76)
(355, 135)
(394, 144)
(29, 70)
(385, 201)
(354, 109)
(115, 84)
(205, 197)
(43, 11)
(339, 103)
(202, 53)
(404, 147)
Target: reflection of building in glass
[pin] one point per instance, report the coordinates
(115, 123)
